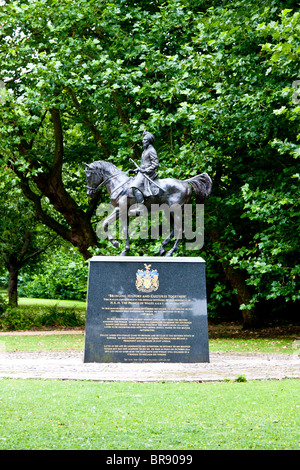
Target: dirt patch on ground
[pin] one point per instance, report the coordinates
(235, 330)
(69, 365)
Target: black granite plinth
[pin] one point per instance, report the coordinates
(144, 309)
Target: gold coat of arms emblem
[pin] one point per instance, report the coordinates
(147, 279)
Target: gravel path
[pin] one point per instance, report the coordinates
(69, 366)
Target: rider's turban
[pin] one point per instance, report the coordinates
(150, 136)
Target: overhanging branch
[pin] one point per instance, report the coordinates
(38, 252)
(89, 123)
(58, 228)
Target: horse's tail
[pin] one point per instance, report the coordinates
(201, 185)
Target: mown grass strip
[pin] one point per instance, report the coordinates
(53, 414)
(63, 342)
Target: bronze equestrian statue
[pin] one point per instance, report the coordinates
(143, 191)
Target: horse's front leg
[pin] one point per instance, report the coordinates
(169, 238)
(178, 232)
(113, 217)
(175, 247)
(124, 221)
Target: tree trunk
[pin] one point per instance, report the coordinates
(237, 281)
(77, 228)
(83, 236)
(13, 273)
(234, 276)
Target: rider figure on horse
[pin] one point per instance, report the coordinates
(145, 173)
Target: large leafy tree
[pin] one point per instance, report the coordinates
(212, 80)
(22, 237)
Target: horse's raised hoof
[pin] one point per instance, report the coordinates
(124, 253)
(115, 243)
(162, 251)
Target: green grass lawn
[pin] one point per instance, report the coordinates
(253, 345)
(51, 302)
(32, 302)
(63, 342)
(58, 415)
(53, 414)
(40, 342)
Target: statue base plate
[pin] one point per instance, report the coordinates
(146, 309)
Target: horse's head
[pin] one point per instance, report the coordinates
(93, 179)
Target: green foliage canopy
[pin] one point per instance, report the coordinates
(212, 80)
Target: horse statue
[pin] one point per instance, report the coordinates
(168, 193)
(131, 195)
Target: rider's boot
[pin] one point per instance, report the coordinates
(137, 209)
